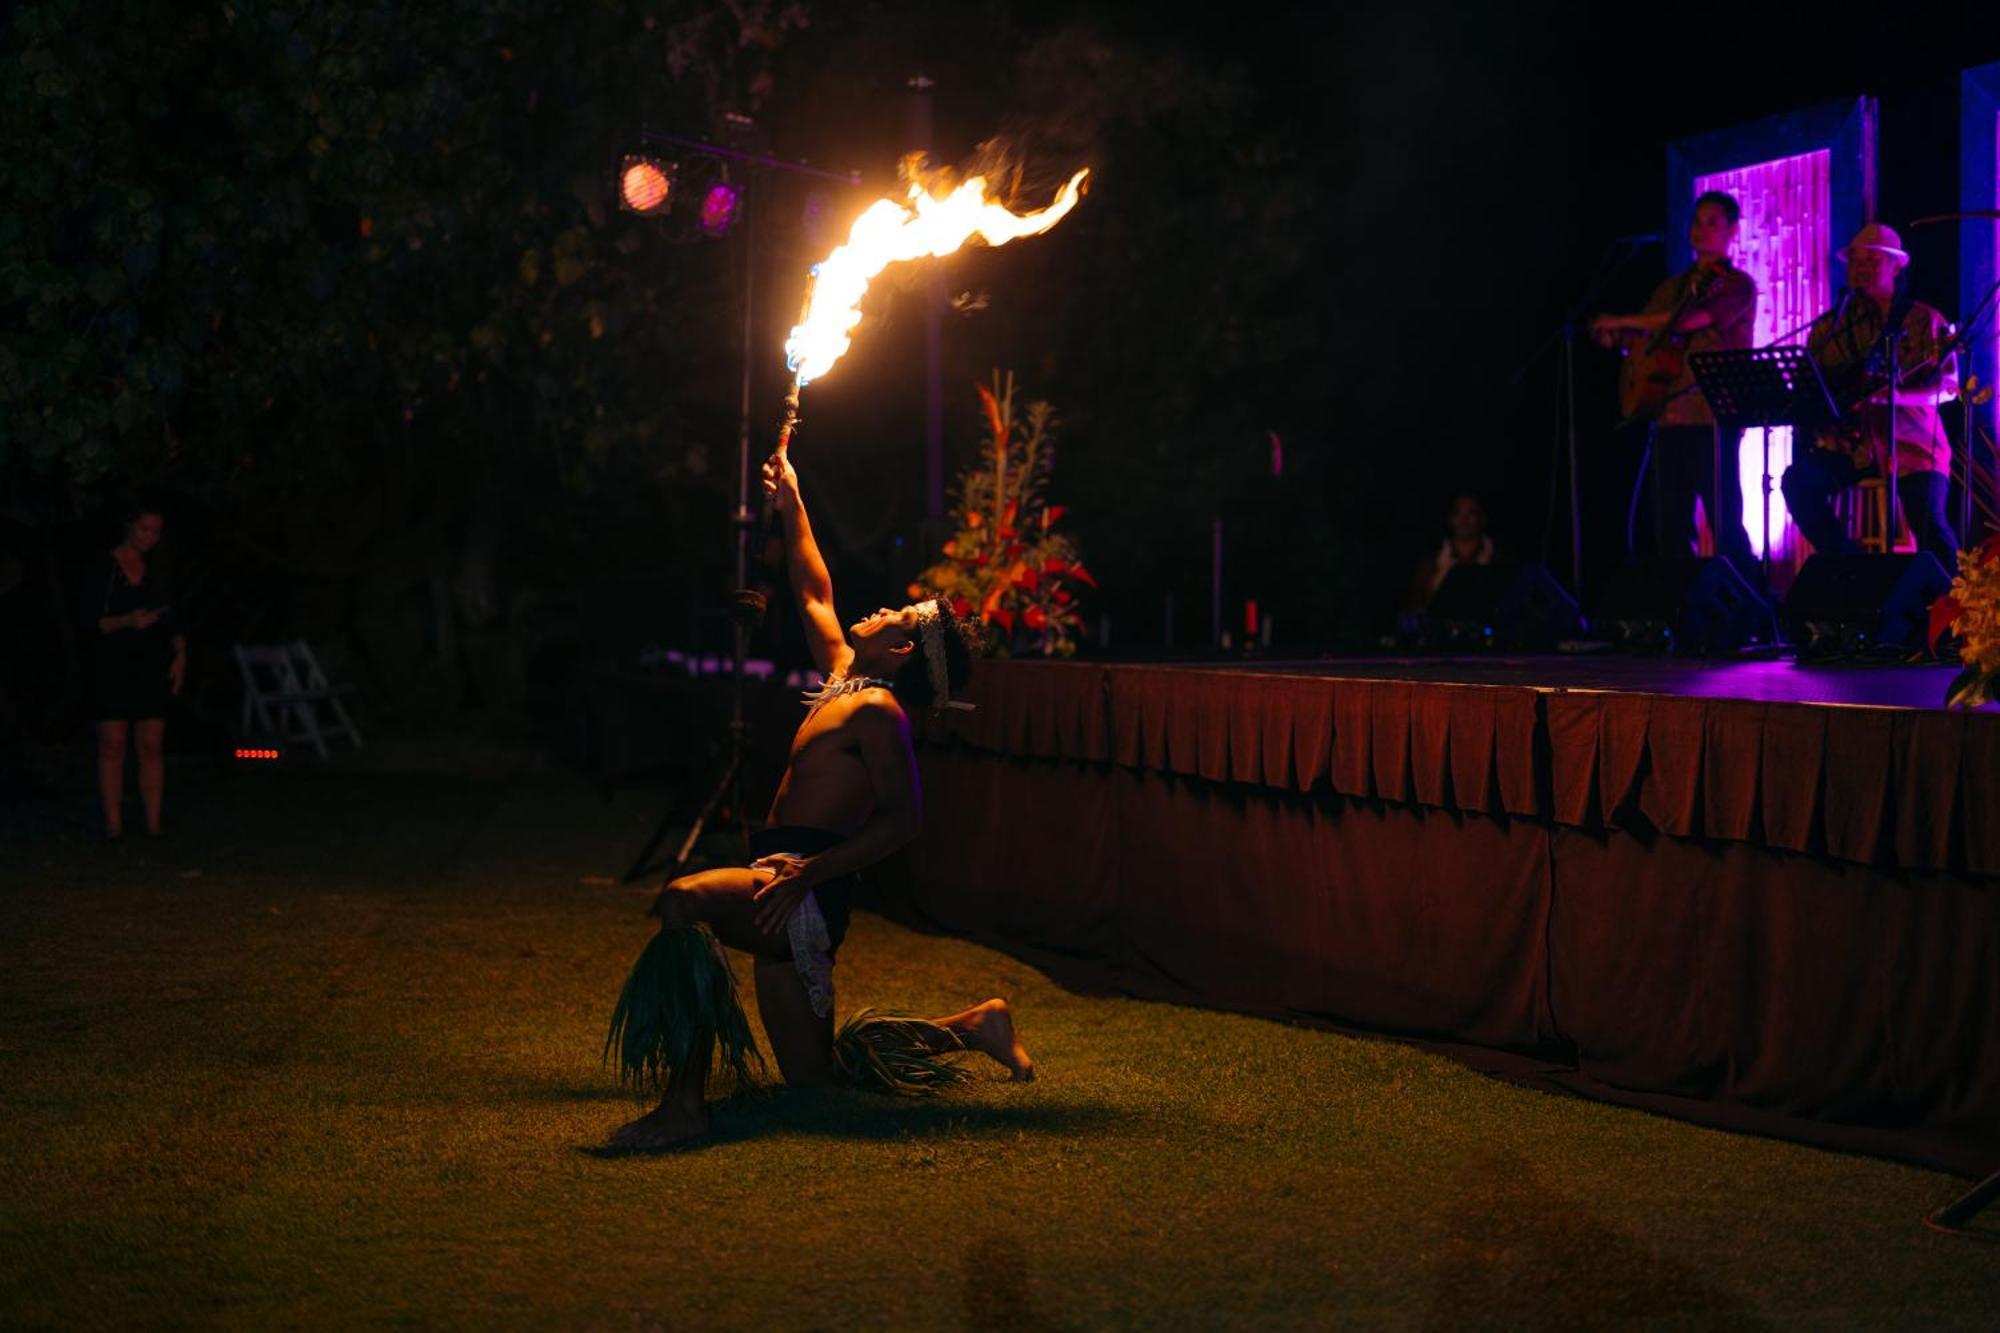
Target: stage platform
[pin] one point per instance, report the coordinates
(1771, 680)
(1755, 894)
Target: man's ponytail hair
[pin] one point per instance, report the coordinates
(961, 639)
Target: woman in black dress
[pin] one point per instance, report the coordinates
(138, 661)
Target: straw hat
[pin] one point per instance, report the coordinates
(1883, 239)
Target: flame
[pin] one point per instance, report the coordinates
(921, 226)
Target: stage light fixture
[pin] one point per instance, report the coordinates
(719, 208)
(646, 185)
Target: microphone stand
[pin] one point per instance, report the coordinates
(1616, 256)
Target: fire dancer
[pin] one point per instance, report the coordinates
(849, 798)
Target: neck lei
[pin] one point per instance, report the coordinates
(820, 695)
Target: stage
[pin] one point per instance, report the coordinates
(1754, 894)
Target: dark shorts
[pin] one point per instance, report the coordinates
(835, 897)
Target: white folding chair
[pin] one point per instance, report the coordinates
(283, 691)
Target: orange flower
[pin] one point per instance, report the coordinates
(974, 519)
(993, 417)
(951, 550)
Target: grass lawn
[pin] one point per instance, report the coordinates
(330, 1056)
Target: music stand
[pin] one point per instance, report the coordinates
(1762, 387)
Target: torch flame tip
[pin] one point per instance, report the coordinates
(925, 225)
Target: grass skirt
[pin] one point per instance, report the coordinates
(899, 1055)
(679, 995)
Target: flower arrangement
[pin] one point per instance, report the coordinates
(1006, 565)
(1971, 611)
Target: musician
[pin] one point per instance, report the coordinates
(1717, 305)
(1853, 351)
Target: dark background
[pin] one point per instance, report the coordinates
(342, 289)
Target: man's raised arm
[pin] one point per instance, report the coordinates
(811, 584)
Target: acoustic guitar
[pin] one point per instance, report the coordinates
(1655, 362)
(1866, 384)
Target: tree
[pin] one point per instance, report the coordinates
(346, 277)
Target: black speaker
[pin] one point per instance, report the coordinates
(1686, 605)
(1850, 603)
(1504, 606)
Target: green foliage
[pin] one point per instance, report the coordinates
(346, 255)
(1007, 566)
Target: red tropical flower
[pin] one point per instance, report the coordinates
(1077, 571)
(1053, 514)
(1005, 617)
(961, 607)
(1036, 618)
(1062, 597)
(1944, 612)
(1055, 565)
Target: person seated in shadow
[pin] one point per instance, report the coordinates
(1466, 542)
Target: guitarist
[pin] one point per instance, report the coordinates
(1712, 305)
(1850, 344)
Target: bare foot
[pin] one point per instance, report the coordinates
(663, 1127)
(991, 1030)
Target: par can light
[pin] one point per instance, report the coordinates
(646, 185)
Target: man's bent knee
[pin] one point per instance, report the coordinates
(678, 903)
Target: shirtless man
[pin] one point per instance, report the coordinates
(850, 797)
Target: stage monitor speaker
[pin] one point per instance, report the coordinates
(1502, 606)
(1686, 605)
(1852, 603)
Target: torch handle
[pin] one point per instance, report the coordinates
(791, 421)
(773, 527)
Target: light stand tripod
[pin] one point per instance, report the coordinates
(747, 604)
